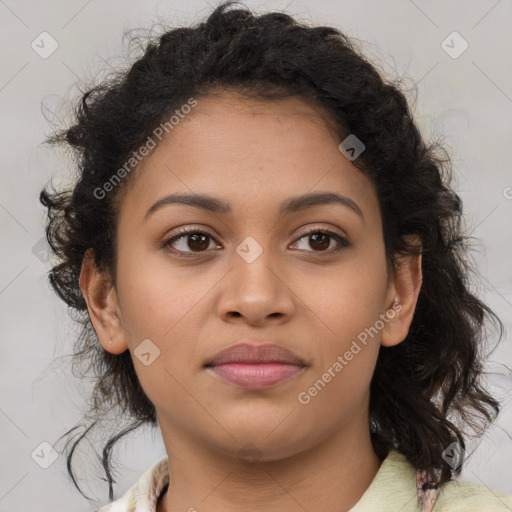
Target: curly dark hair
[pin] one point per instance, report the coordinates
(425, 390)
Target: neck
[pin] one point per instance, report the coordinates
(333, 475)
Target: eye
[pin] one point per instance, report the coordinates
(188, 238)
(320, 239)
(196, 241)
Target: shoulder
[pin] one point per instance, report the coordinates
(458, 496)
(126, 503)
(144, 494)
(395, 487)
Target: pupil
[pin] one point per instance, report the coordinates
(195, 238)
(323, 238)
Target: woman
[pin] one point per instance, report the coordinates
(268, 263)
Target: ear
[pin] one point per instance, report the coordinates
(102, 303)
(405, 287)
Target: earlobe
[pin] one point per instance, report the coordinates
(406, 287)
(101, 300)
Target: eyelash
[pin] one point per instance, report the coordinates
(342, 241)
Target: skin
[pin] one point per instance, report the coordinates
(254, 155)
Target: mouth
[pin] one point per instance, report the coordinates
(255, 375)
(251, 366)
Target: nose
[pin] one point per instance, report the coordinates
(256, 292)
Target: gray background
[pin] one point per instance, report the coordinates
(468, 99)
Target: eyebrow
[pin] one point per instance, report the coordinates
(291, 205)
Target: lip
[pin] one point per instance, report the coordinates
(255, 352)
(255, 366)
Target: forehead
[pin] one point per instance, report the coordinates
(251, 152)
(294, 107)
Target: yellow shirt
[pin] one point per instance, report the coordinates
(393, 489)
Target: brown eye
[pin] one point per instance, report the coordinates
(198, 241)
(188, 242)
(191, 242)
(320, 240)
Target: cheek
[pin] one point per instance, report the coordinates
(346, 298)
(347, 311)
(158, 302)
(155, 294)
(347, 308)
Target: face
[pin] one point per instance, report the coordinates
(310, 279)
